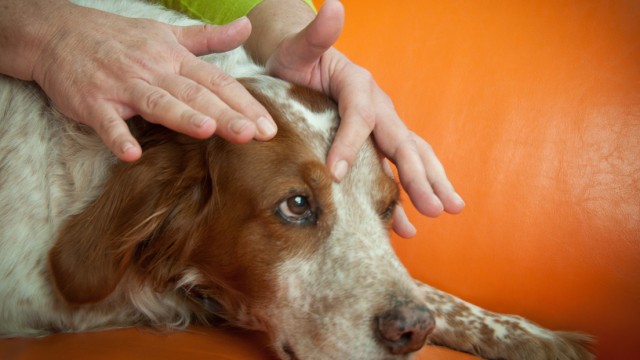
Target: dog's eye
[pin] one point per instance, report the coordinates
(296, 209)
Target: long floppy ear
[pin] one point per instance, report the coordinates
(140, 215)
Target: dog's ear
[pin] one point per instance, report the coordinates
(145, 217)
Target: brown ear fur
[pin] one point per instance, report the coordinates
(148, 211)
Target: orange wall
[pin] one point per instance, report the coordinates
(534, 109)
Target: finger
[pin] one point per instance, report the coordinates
(401, 224)
(159, 106)
(358, 119)
(115, 133)
(386, 167)
(356, 126)
(398, 144)
(206, 39)
(413, 178)
(301, 58)
(230, 92)
(307, 46)
(231, 125)
(437, 177)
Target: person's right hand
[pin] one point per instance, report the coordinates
(100, 69)
(308, 58)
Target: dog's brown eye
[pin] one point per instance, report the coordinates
(296, 209)
(298, 205)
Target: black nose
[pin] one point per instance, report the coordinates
(405, 328)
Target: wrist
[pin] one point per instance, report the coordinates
(28, 27)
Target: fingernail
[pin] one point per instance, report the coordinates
(340, 170)
(239, 126)
(459, 199)
(201, 121)
(266, 127)
(129, 152)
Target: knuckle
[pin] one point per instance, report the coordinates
(368, 117)
(154, 100)
(221, 80)
(369, 78)
(411, 147)
(358, 71)
(409, 182)
(348, 149)
(189, 117)
(426, 147)
(386, 99)
(226, 116)
(109, 128)
(352, 150)
(421, 144)
(405, 150)
(192, 93)
(206, 29)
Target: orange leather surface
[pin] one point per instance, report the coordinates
(134, 344)
(534, 109)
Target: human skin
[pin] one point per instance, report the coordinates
(299, 48)
(123, 67)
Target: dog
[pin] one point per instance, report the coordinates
(201, 231)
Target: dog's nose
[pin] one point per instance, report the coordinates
(405, 328)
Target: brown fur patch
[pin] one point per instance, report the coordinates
(311, 99)
(204, 205)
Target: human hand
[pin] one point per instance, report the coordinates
(101, 68)
(308, 58)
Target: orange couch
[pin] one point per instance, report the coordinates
(534, 109)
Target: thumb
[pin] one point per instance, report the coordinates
(206, 39)
(315, 39)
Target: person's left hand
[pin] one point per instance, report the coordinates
(308, 58)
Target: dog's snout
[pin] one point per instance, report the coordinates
(405, 328)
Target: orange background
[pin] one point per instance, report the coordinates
(534, 109)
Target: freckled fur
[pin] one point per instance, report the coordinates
(88, 242)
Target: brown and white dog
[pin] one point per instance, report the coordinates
(197, 230)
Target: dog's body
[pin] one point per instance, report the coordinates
(257, 234)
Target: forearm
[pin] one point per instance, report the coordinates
(25, 27)
(272, 21)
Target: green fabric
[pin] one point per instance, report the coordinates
(216, 11)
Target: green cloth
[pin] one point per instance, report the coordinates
(216, 11)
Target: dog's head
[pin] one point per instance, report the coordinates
(258, 234)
